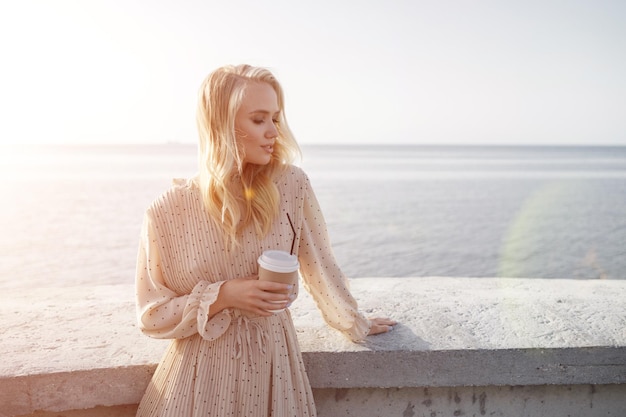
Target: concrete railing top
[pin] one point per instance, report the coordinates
(82, 344)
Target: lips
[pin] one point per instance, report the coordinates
(268, 148)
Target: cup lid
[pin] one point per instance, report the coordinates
(278, 261)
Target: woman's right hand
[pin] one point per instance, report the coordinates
(252, 295)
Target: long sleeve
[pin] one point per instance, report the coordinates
(161, 312)
(322, 276)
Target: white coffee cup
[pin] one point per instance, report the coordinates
(279, 266)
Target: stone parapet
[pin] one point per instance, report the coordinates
(78, 350)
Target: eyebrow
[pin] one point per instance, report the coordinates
(263, 112)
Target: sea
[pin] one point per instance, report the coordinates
(71, 215)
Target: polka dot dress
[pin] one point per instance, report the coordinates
(234, 363)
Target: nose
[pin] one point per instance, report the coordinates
(272, 131)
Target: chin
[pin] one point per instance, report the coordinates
(265, 159)
(261, 161)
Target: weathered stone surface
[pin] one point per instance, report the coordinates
(534, 400)
(80, 347)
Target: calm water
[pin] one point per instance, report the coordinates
(71, 215)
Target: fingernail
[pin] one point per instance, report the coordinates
(292, 297)
(289, 287)
(288, 305)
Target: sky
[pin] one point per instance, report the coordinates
(354, 72)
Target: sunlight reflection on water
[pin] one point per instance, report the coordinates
(71, 215)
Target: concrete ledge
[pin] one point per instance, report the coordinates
(454, 368)
(79, 348)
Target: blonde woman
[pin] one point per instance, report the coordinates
(197, 264)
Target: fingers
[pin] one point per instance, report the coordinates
(273, 297)
(381, 325)
(277, 294)
(275, 287)
(376, 329)
(267, 308)
(261, 296)
(384, 321)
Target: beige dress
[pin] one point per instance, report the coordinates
(235, 363)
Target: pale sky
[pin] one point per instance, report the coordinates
(419, 72)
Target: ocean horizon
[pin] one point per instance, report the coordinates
(73, 212)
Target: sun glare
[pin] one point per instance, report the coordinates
(28, 161)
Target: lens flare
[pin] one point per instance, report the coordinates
(248, 193)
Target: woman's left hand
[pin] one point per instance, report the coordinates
(381, 325)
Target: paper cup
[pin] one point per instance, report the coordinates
(279, 266)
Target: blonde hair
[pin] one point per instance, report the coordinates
(236, 195)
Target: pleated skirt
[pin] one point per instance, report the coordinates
(254, 369)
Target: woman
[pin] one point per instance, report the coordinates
(197, 264)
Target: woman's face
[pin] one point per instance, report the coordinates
(256, 123)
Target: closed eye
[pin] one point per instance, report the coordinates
(259, 117)
(259, 122)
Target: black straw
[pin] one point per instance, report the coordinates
(294, 234)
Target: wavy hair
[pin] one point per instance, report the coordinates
(235, 194)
